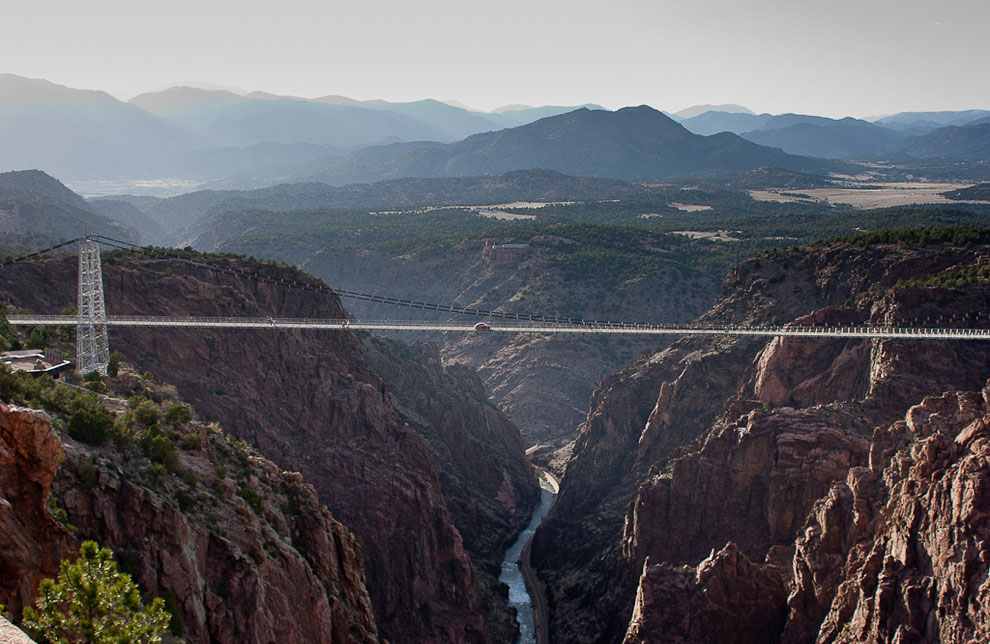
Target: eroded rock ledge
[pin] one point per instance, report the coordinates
(898, 551)
(279, 569)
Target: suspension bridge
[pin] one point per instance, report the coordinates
(92, 322)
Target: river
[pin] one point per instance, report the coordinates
(512, 575)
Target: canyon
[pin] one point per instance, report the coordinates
(720, 488)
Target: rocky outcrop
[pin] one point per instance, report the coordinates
(279, 568)
(752, 483)
(730, 440)
(895, 552)
(263, 574)
(32, 542)
(796, 372)
(898, 551)
(311, 402)
(726, 598)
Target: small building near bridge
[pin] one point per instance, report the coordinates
(34, 362)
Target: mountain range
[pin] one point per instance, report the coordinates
(922, 122)
(966, 142)
(236, 119)
(897, 136)
(209, 134)
(75, 133)
(630, 143)
(226, 139)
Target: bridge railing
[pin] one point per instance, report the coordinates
(860, 331)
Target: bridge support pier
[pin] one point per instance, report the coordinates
(92, 350)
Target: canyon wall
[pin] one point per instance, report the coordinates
(731, 442)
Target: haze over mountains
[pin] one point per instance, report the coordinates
(254, 140)
(74, 133)
(209, 134)
(849, 138)
(631, 143)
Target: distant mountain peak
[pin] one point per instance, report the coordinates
(14, 88)
(631, 143)
(511, 108)
(213, 87)
(456, 103)
(695, 110)
(336, 99)
(173, 98)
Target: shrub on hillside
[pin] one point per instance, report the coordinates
(178, 414)
(90, 421)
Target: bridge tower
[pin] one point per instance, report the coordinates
(92, 352)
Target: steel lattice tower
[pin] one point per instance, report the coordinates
(92, 353)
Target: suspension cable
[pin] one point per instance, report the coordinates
(367, 297)
(40, 252)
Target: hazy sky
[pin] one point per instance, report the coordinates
(832, 57)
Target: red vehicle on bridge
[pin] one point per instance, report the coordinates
(482, 326)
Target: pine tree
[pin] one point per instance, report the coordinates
(92, 603)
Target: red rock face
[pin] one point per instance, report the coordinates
(898, 551)
(31, 542)
(727, 598)
(310, 402)
(733, 440)
(751, 484)
(244, 581)
(797, 372)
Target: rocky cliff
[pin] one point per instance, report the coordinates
(735, 440)
(893, 552)
(897, 551)
(32, 542)
(277, 568)
(311, 402)
(726, 598)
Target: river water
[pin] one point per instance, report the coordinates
(511, 574)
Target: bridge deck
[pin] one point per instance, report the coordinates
(903, 333)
